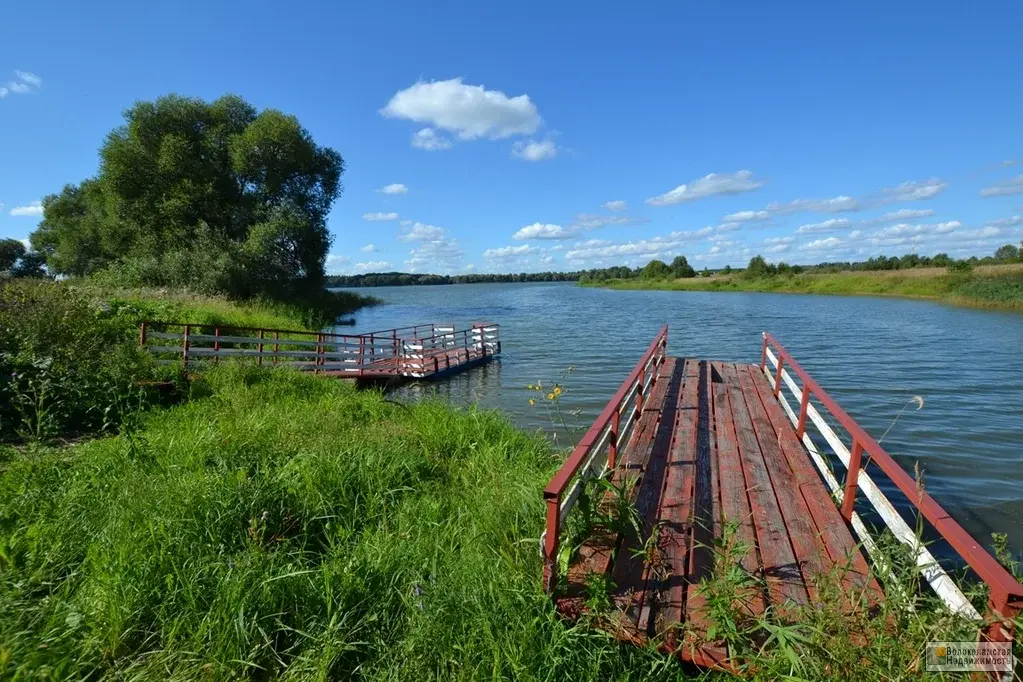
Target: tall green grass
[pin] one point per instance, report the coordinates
(288, 526)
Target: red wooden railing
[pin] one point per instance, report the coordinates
(608, 429)
(1005, 592)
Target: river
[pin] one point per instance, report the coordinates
(871, 354)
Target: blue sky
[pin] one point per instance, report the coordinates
(494, 137)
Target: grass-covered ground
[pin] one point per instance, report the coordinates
(994, 286)
(286, 526)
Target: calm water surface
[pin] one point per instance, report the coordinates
(871, 354)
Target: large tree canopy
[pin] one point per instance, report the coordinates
(211, 195)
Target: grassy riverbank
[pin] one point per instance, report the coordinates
(997, 286)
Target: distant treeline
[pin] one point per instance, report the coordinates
(759, 267)
(399, 279)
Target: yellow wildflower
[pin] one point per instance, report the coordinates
(532, 402)
(550, 396)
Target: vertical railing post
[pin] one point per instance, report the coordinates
(184, 346)
(551, 544)
(639, 395)
(612, 439)
(851, 478)
(142, 335)
(804, 405)
(777, 378)
(763, 352)
(216, 345)
(372, 349)
(319, 353)
(277, 337)
(1000, 619)
(259, 349)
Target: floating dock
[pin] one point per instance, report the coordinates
(699, 445)
(425, 351)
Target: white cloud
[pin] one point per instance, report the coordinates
(830, 225)
(778, 240)
(855, 234)
(394, 188)
(428, 139)
(833, 205)
(901, 215)
(336, 262)
(708, 185)
(746, 216)
(509, 252)
(603, 249)
(914, 228)
(34, 209)
(369, 248)
(542, 231)
(1005, 222)
(441, 256)
(535, 151)
(546, 260)
(914, 190)
(817, 244)
(373, 265)
(1004, 188)
(375, 217)
(29, 78)
(421, 232)
(616, 205)
(777, 248)
(470, 111)
(24, 83)
(587, 221)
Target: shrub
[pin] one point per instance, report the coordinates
(960, 266)
(758, 267)
(66, 367)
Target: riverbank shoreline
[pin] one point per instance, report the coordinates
(990, 287)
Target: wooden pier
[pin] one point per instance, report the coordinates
(426, 351)
(698, 446)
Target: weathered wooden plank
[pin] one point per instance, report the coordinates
(832, 530)
(781, 570)
(677, 506)
(631, 568)
(810, 553)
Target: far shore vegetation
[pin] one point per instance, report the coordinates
(989, 282)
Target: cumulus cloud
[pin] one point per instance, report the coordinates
(587, 221)
(833, 205)
(394, 188)
(1005, 222)
(778, 240)
(468, 111)
(24, 83)
(707, 186)
(830, 225)
(603, 249)
(534, 150)
(616, 205)
(914, 190)
(442, 255)
(507, 252)
(375, 217)
(421, 232)
(1004, 188)
(901, 215)
(336, 262)
(369, 248)
(543, 231)
(914, 228)
(746, 216)
(818, 244)
(34, 209)
(430, 140)
(371, 266)
(777, 248)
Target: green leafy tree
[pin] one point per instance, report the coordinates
(680, 267)
(758, 267)
(212, 195)
(17, 261)
(1009, 252)
(656, 269)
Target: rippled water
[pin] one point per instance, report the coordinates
(871, 354)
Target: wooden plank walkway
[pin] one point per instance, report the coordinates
(712, 449)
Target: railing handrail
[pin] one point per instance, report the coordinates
(383, 335)
(978, 558)
(575, 460)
